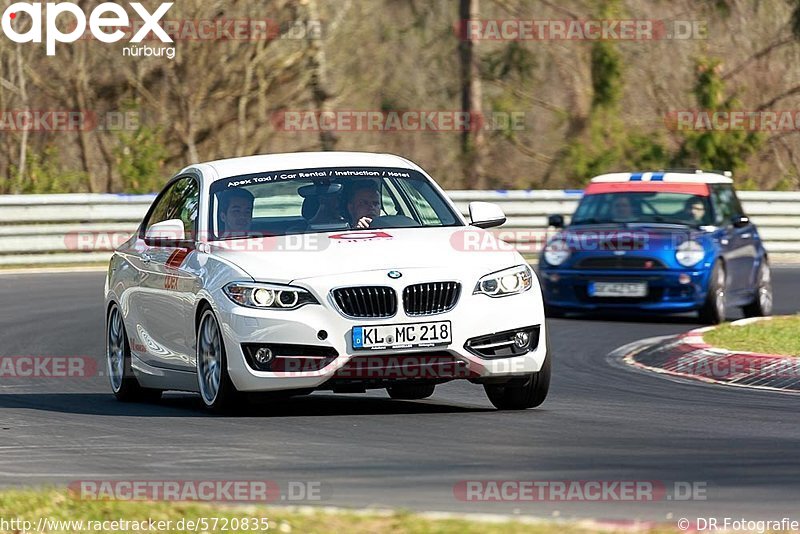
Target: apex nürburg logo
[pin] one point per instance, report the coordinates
(104, 23)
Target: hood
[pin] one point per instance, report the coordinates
(293, 257)
(637, 238)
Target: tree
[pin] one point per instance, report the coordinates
(473, 144)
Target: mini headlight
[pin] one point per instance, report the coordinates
(268, 296)
(690, 253)
(506, 282)
(556, 252)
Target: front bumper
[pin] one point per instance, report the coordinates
(323, 326)
(568, 289)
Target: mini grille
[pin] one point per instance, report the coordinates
(620, 262)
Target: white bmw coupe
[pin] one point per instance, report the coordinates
(333, 271)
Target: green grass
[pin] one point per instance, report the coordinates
(59, 505)
(776, 336)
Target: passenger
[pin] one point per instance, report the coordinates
(235, 212)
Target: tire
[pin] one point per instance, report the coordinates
(529, 394)
(713, 310)
(762, 302)
(124, 385)
(411, 391)
(218, 393)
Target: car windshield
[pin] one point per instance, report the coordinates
(641, 207)
(325, 200)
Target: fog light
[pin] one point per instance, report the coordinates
(521, 339)
(554, 277)
(684, 279)
(263, 356)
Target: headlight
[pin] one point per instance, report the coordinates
(556, 252)
(506, 282)
(690, 253)
(268, 296)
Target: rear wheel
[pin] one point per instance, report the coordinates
(762, 302)
(124, 384)
(411, 391)
(529, 394)
(216, 389)
(713, 310)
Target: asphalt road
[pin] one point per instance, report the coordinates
(600, 422)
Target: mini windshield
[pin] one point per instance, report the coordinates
(643, 207)
(325, 200)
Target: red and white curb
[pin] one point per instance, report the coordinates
(688, 356)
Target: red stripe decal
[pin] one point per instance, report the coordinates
(647, 187)
(176, 258)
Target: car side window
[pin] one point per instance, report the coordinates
(186, 205)
(180, 201)
(387, 202)
(726, 204)
(737, 206)
(428, 205)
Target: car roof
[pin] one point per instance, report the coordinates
(226, 168)
(696, 177)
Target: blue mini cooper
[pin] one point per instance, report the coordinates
(659, 242)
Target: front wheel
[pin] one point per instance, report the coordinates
(531, 393)
(713, 310)
(762, 302)
(216, 389)
(124, 384)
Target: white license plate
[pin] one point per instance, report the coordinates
(618, 289)
(397, 336)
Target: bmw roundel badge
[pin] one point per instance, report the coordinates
(394, 275)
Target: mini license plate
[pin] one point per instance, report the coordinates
(618, 289)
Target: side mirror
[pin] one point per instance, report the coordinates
(556, 221)
(165, 233)
(740, 221)
(486, 214)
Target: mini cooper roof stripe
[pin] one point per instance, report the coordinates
(664, 177)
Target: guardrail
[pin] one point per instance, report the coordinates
(77, 229)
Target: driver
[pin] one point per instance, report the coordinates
(364, 204)
(622, 208)
(695, 209)
(236, 212)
